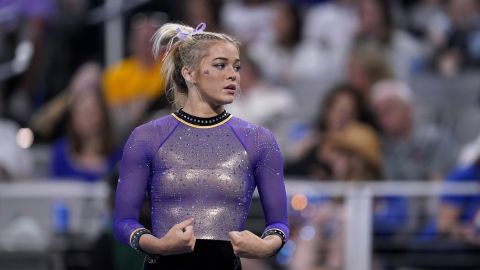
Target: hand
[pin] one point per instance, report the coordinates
(179, 239)
(248, 245)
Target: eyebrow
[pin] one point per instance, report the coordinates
(225, 59)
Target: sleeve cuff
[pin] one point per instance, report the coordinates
(276, 231)
(135, 243)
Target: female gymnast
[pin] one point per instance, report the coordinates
(200, 165)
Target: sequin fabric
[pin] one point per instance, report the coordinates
(209, 174)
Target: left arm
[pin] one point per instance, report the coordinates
(271, 188)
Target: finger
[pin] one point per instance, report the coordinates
(185, 223)
(188, 231)
(233, 234)
(192, 242)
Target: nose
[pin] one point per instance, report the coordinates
(232, 75)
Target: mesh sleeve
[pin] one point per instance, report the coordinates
(270, 184)
(133, 181)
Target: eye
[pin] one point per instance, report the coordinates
(219, 66)
(237, 68)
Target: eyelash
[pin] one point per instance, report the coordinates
(222, 66)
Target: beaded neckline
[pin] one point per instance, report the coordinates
(202, 121)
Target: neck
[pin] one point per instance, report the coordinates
(91, 145)
(200, 108)
(404, 132)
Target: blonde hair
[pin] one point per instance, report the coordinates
(185, 47)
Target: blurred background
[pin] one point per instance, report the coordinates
(375, 105)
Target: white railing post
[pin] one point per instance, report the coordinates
(114, 33)
(358, 226)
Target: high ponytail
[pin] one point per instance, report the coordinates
(185, 47)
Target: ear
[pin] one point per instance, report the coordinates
(188, 75)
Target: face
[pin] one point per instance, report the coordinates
(393, 115)
(358, 76)
(341, 112)
(87, 115)
(141, 38)
(283, 23)
(462, 12)
(218, 76)
(370, 15)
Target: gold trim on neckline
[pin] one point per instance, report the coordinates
(198, 126)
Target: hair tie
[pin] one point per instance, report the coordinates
(182, 35)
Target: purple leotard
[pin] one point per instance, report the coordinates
(208, 173)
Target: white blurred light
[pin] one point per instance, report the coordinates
(23, 55)
(307, 233)
(24, 138)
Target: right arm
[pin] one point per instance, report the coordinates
(132, 184)
(131, 188)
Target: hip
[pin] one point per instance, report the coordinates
(207, 254)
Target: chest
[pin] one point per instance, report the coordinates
(203, 164)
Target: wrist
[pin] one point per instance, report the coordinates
(273, 243)
(276, 238)
(143, 241)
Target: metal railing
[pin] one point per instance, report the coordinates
(358, 202)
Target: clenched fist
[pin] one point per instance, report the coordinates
(248, 245)
(179, 239)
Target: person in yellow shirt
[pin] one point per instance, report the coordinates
(133, 84)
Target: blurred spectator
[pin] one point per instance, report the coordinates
(248, 20)
(23, 23)
(411, 150)
(366, 66)
(133, 84)
(15, 162)
(428, 20)
(461, 47)
(376, 24)
(459, 216)
(329, 28)
(48, 122)
(342, 105)
(281, 59)
(455, 227)
(88, 151)
(353, 155)
(207, 11)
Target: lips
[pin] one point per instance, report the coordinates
(231, 87)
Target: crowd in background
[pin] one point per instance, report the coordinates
(343, 84)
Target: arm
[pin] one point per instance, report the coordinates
(132, 184)
(131, 188)
(269, 179)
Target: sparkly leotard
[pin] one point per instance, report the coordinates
(208, 172)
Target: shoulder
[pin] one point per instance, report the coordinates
(429, 133)
(154, 128)
(158, 123)
(253, 133)
(247, 127)
(468, 173)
